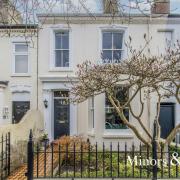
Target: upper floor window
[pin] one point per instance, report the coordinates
(113, 121)
(62, 49)
(112, 46)
(21, 58)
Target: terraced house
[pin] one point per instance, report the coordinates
(18, 69)
(65, 41)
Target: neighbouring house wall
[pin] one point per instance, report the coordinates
(19, 135)
(19, 87)
(20, 132)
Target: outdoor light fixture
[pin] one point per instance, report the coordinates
(45, 103)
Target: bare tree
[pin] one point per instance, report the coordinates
(142, 76)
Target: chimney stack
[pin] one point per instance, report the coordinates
(110, 6)
(8, 13)
(161, 7)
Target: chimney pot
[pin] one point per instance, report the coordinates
(110, 6)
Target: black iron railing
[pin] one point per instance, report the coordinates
(83, 160)
(5, 156)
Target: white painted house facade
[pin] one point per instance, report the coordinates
(63, 45)
(18, 72)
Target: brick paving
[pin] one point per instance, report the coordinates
(19, 174)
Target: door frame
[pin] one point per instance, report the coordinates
(53, 119)
(48, 89)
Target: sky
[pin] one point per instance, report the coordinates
(80, 6)
(96, 5)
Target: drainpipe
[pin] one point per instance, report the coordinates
(37, 71)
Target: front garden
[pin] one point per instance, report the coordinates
(71, 157)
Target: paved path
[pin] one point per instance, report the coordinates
(19, 174)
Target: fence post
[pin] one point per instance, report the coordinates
(154, 151)
(9, 153)
(30, 158)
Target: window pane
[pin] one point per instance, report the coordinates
(58, 41)
(21, 47)
(122, 94)
(107, 40)
(117, 56)
(21, 64)
(58, 58)
(91, 112)
(107, 56)
(117, 40)
(65, 58)
(65, 41)
(113, 121)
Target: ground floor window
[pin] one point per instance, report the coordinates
(112, 119)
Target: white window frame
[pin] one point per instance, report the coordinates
(115, 133)
(91, 123)
(108, 108)
(52, 67)
(113, 28)
(20, 53)
(112, 49)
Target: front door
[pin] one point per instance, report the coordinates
(166, 119)
(19, 110)
(61, 113)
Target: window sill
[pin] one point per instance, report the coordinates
(91, 133)
(61, 69)
(20, 75)
(116, 135)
